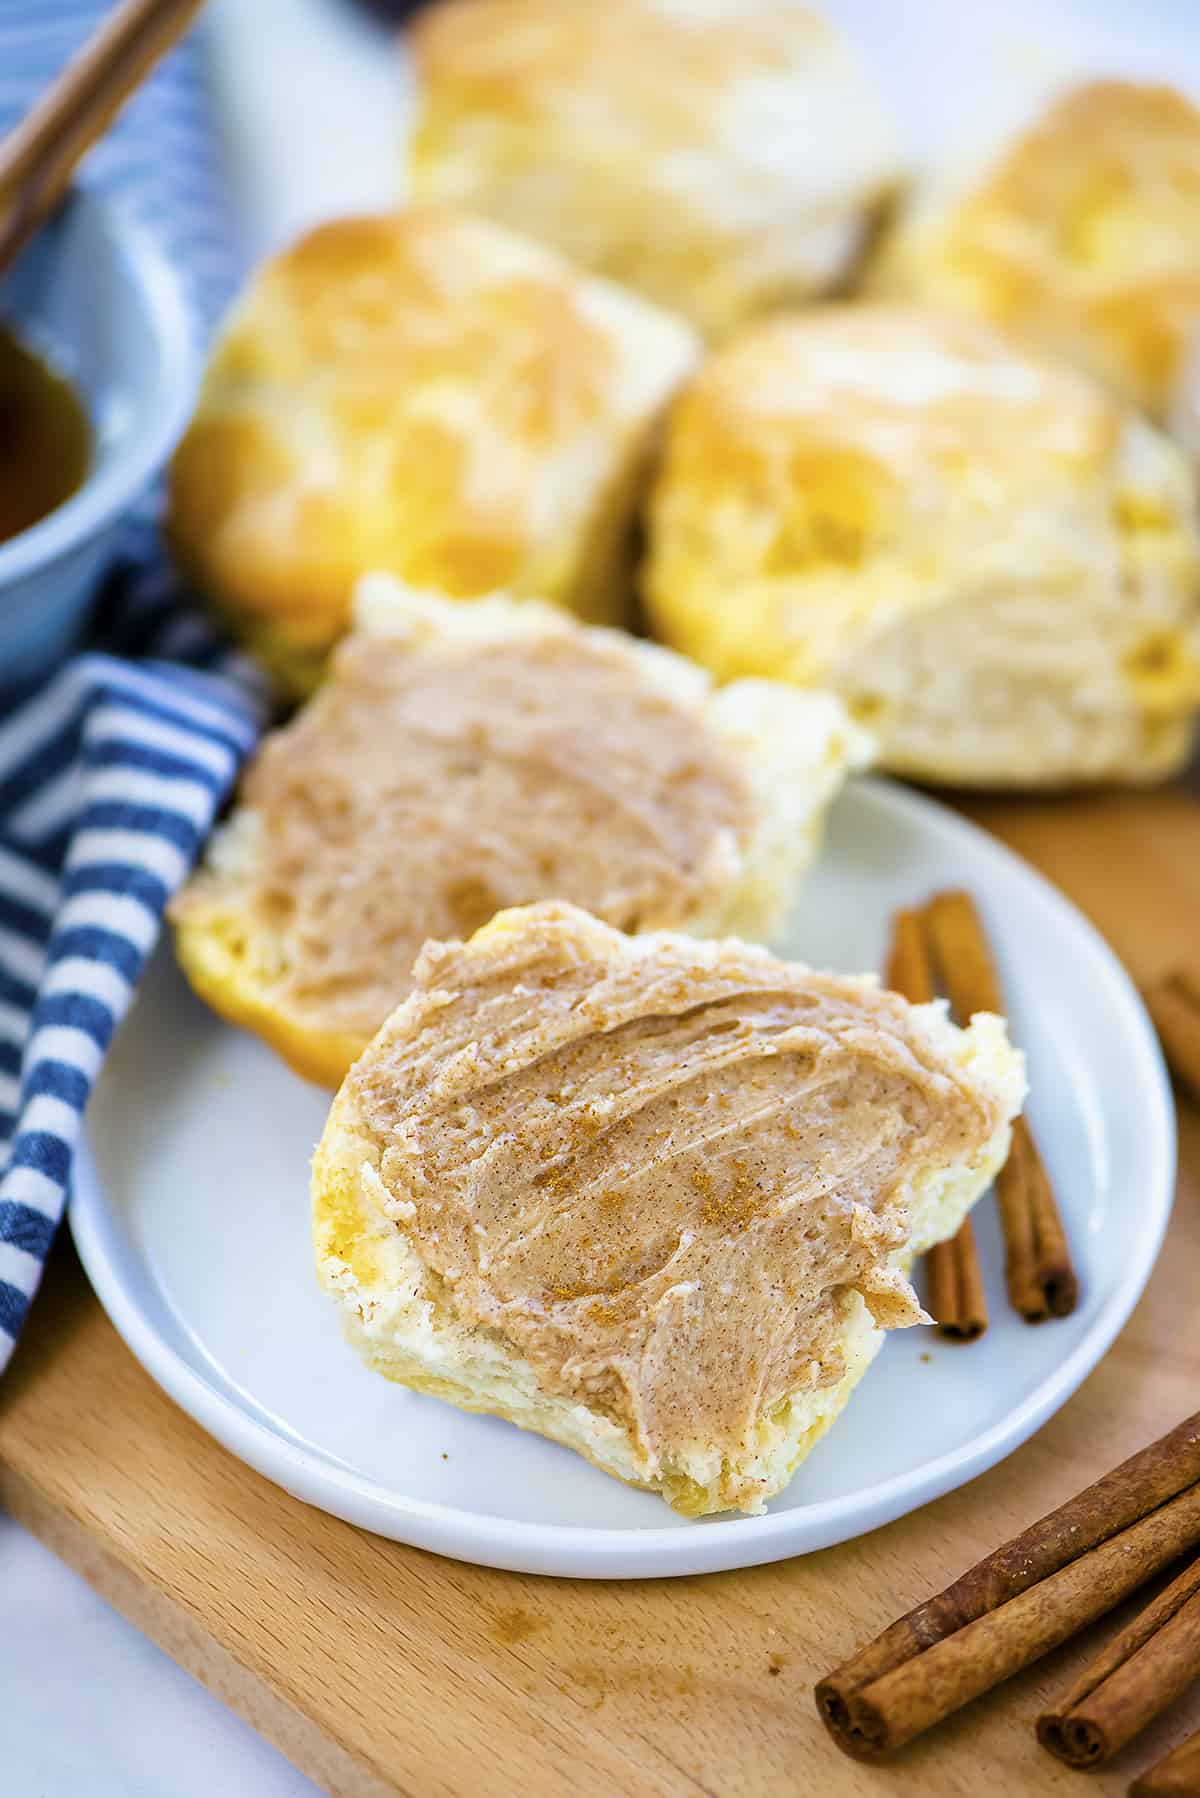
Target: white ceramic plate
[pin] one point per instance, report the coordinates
(191, 1215)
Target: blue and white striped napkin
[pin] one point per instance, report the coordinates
(112, 771)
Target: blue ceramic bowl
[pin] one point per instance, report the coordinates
(95, 296)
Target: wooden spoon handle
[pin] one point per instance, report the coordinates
(39, 156)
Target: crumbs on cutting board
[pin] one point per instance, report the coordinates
(512, 1625)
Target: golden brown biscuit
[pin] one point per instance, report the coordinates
(721, 156)
(651, 1197)
(428, 395)
(459, 759)
(1085, 235)
(989, 557)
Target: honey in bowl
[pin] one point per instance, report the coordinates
(45, 438)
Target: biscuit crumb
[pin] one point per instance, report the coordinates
(512, 1625)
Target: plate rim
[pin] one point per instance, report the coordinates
(573, 1550)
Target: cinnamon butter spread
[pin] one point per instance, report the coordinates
(427, 787)
(659, 1172)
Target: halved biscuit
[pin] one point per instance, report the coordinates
(460, 759)
(987, 555)
(426, 394)
(723, 158)
(651, 1197)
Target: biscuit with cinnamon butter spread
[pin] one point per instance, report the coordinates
(652, 1197)
(988, 556)
(460, 759)
(426, 394)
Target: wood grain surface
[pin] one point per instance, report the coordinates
(382, 1670)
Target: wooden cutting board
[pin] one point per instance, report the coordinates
(382, 1670)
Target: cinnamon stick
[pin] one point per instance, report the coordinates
(962, 954)
(1138, 1489)
(1176, 1776)
(913, 1697)
(909, 963)
(1138, 1675)
(1038, 1270)
(956, 1296)
(1173, 1001)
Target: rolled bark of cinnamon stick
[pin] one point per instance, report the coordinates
(1176, 1776)
(1037, 1265)
(1038, 1270)
(956, 1296)
(1174, 1005)
(909, 964)
(1134, 1490)
(912, 1698)
(1138, 1675)
(962, 954)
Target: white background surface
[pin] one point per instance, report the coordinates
(88, 1709)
